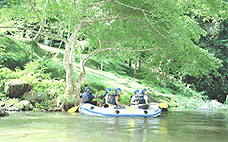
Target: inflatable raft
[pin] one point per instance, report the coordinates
(133, 111)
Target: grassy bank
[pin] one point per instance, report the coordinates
(44, 70)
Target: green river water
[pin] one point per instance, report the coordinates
(173, 126)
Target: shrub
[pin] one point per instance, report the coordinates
(54, 68)
(12, 53)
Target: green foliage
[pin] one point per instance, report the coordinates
(5, 75)
(54, 68)
(34, 74)
(215, 86)
(41, 82)
(13, 53)
(184, 89)
(11, 102)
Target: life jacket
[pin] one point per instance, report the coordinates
(111, 99)
(103, 98)
(136, 98)
(141, 99)
(87, 97)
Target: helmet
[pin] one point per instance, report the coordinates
(143, 91)
(87, 88)
(108, 90)
(136, 91)
(117, 89)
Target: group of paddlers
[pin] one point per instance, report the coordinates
(112, 99)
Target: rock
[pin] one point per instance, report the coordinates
(2, 104)
(35, 96)
(3, 113)
(11, 102)
(16, 89)
(216, 103)
(20, 106)
(26, 105)
(13, 108)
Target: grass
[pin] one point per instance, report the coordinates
(105, 78)
(100, 80)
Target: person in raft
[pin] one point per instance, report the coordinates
(135, 98)
(114, 99)
(87, 97)
(143, 98)
(105, 97)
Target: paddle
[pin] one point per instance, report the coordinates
(163, 105)
(73, 109)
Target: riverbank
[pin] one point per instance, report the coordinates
(12, 105)
(46, 77)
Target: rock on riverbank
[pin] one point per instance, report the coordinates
(16, 89)
(3, 113)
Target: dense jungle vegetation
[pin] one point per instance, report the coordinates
(178, 51)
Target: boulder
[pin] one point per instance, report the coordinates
(16, 89)
(3, 113)
(26, 105)
(14, 108)
(35, 96)
(2, 104)
(216, 103)
(20, 106)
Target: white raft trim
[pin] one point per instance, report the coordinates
(90, 109)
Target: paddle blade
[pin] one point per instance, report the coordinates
(73, 109)
(163, 105)
(132, 109)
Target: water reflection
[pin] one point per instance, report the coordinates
(139, 129)
(169, 127)
(175, 126)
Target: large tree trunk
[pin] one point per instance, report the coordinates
(78, 83)
(68, 62)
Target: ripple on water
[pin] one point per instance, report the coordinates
(172, 126)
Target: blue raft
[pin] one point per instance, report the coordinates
(133, 111)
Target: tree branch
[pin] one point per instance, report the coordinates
(120, 49)
(44, 33)
(143, 10)
(74, 4)
(36, 14)
(112, 18)
(154, 27)
(100, 43)
(132, 7)
(49, 35)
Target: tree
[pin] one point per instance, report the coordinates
(163, 30)
(215, 87)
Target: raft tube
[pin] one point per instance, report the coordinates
(133, 111)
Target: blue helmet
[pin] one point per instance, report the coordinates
(117, 89)
(136, 91)
(87, 88)
(108, 90)
(143, 91)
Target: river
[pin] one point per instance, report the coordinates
(173, 126)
